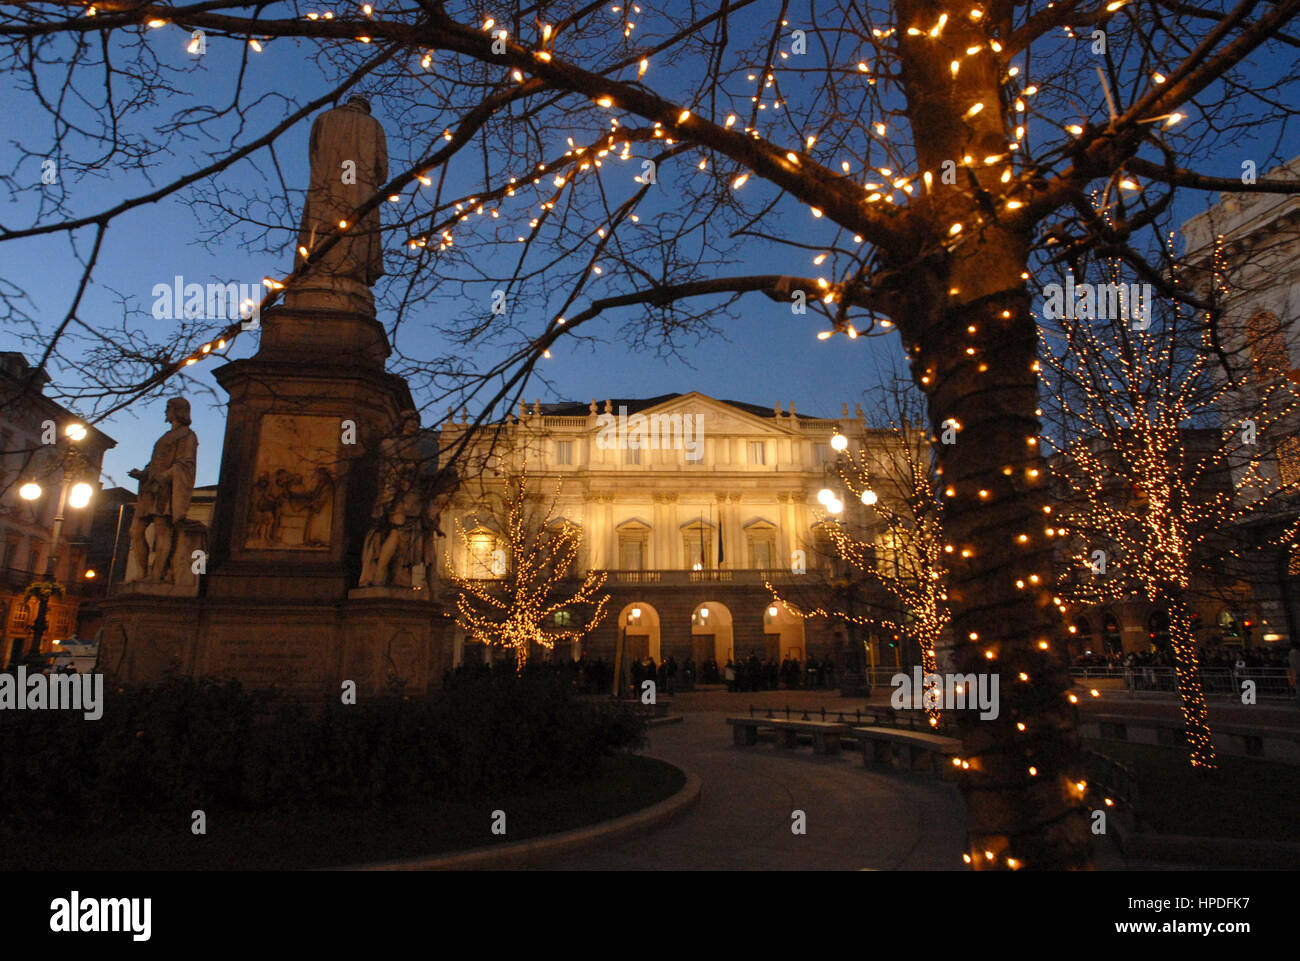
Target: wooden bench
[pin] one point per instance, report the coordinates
(924, 751)
(826, 735)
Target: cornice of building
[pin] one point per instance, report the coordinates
(1241, 217)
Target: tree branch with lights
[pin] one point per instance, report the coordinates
(899, 547)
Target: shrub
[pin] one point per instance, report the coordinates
(185, 744)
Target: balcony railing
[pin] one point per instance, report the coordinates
(680, 578)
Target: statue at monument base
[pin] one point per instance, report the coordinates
(400, 547)
(163, 542)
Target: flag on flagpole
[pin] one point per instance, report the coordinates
(721, 558)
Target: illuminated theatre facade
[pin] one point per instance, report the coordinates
(690, 504)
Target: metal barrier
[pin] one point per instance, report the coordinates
(1107, 778)
(887, 716)
(1269, 681)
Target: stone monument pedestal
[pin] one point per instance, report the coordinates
(384, 645)
(278, 606)
(299, 486)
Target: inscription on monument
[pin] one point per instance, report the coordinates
(285, 661)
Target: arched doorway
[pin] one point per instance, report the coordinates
(1081, 639)
(1112, 639)
(1158, 629)
(712, 636)
(638, 623)
(782, 632)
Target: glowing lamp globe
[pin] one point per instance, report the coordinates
(836, 506)
(636, 613)
(825, 496)
(79, 496)
(869, 497)
(30, 491)
(771, 611)
(839, 442)
(75, 431)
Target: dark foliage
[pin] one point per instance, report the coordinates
(208, 745)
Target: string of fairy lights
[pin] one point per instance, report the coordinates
(516, 607)
(892, 188)
(871, 187)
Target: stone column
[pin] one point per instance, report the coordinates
(652, 560)
(611, 536)
(793, 535)
(737, 546)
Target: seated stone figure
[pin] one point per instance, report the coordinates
(398, 547)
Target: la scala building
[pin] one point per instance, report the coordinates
(692, 506)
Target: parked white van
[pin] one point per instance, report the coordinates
(80, 654)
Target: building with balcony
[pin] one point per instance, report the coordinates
(690, 504)
(37, 449)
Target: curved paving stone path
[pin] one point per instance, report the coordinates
(856, 818)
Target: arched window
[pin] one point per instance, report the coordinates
(1111, 638)
(481, 548)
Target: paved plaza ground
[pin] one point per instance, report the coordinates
(857, 819)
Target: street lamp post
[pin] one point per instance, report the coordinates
(72, 493)
(620, 652)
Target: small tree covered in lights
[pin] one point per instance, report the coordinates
(899, 548)
(1161, 460)
(530, 583)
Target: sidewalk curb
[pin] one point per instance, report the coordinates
(527, 854)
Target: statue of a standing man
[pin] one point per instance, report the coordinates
(349, 163)
(166, 487)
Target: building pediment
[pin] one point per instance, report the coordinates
(718, 417)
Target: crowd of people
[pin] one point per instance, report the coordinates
(596, 675)
(1223, 667)
(1210, 656)
(585, 675)
(751, 674)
